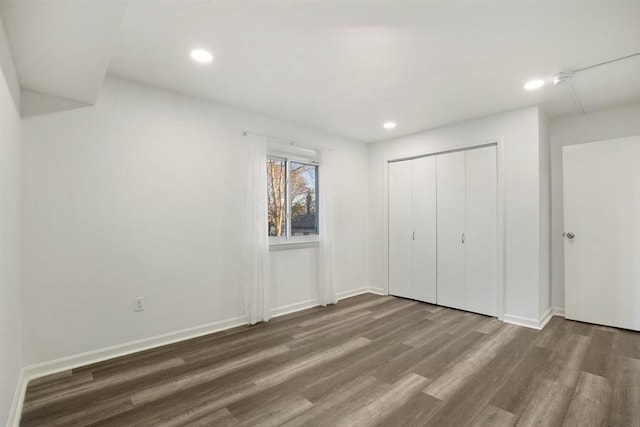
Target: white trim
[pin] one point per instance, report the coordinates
(15, 412)
(304, 305)
(558, 311)
(292, 308)
(352, 292)
(294, 240)
(282, 243)
(529, 322)
(501, 290)
(284, 149)
(359, 291)
(435, 153)
(99, 355)
(546, 316)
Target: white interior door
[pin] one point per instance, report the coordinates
(481, 233)
(602, 215)
(451, 227)
(423, 258)
(400, 229)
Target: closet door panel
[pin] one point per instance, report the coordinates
(482, 230)
(424, 252)
(400, 229)
(451, 226)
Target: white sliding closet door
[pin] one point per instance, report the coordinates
(451, 184)
(482, 230)
(443, 229)
(424, 212)
(400, 229)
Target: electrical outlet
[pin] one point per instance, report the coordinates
(137, 304)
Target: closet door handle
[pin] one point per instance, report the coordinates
(413, 236)
(462, 237)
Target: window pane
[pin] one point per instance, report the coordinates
(276, 178)
(303, 190)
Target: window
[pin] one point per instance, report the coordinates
(292, 198)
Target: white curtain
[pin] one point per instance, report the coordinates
(326, 275)
(255, 254)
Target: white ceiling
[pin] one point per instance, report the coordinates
(62, 48)
(344, 67)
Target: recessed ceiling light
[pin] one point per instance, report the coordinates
(201, 56)
(389, 125)
(534, 84)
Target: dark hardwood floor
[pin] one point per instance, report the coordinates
(369, 360)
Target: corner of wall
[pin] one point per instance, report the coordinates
(37, 103)
(11, 378)
(544, 152)
(15, 412)
(8, 68)
(533, 323)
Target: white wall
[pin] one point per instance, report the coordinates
(596, 126)
(290, 269)
(140, 196)
(545, 212)
(518, 131)
(10, 333)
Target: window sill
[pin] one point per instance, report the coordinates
(293, 243)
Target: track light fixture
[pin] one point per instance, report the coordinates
(563, 78)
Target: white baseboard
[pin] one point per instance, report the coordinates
(299, 306)
(557, 311)
(353, 292)
(99, 355)
(292, 308)
(530, 322)
(359, 291)
(546, 316)
(18, 399)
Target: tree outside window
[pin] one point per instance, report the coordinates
(292, 196)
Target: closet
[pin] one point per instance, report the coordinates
(412, 228)
(443, 229)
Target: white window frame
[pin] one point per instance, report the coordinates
(288, 239)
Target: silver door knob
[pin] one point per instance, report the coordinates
(570, 235)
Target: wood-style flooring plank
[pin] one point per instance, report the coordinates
(521, 385)
(444, 356)
(548, 406)
(333, 402)
(454, 378)
(566, 366)
(377, 409)
(590, 404)
(491, 416)
(625, 398)
(598, 360)
(465, 396)
(415, 411)
(628, 344)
